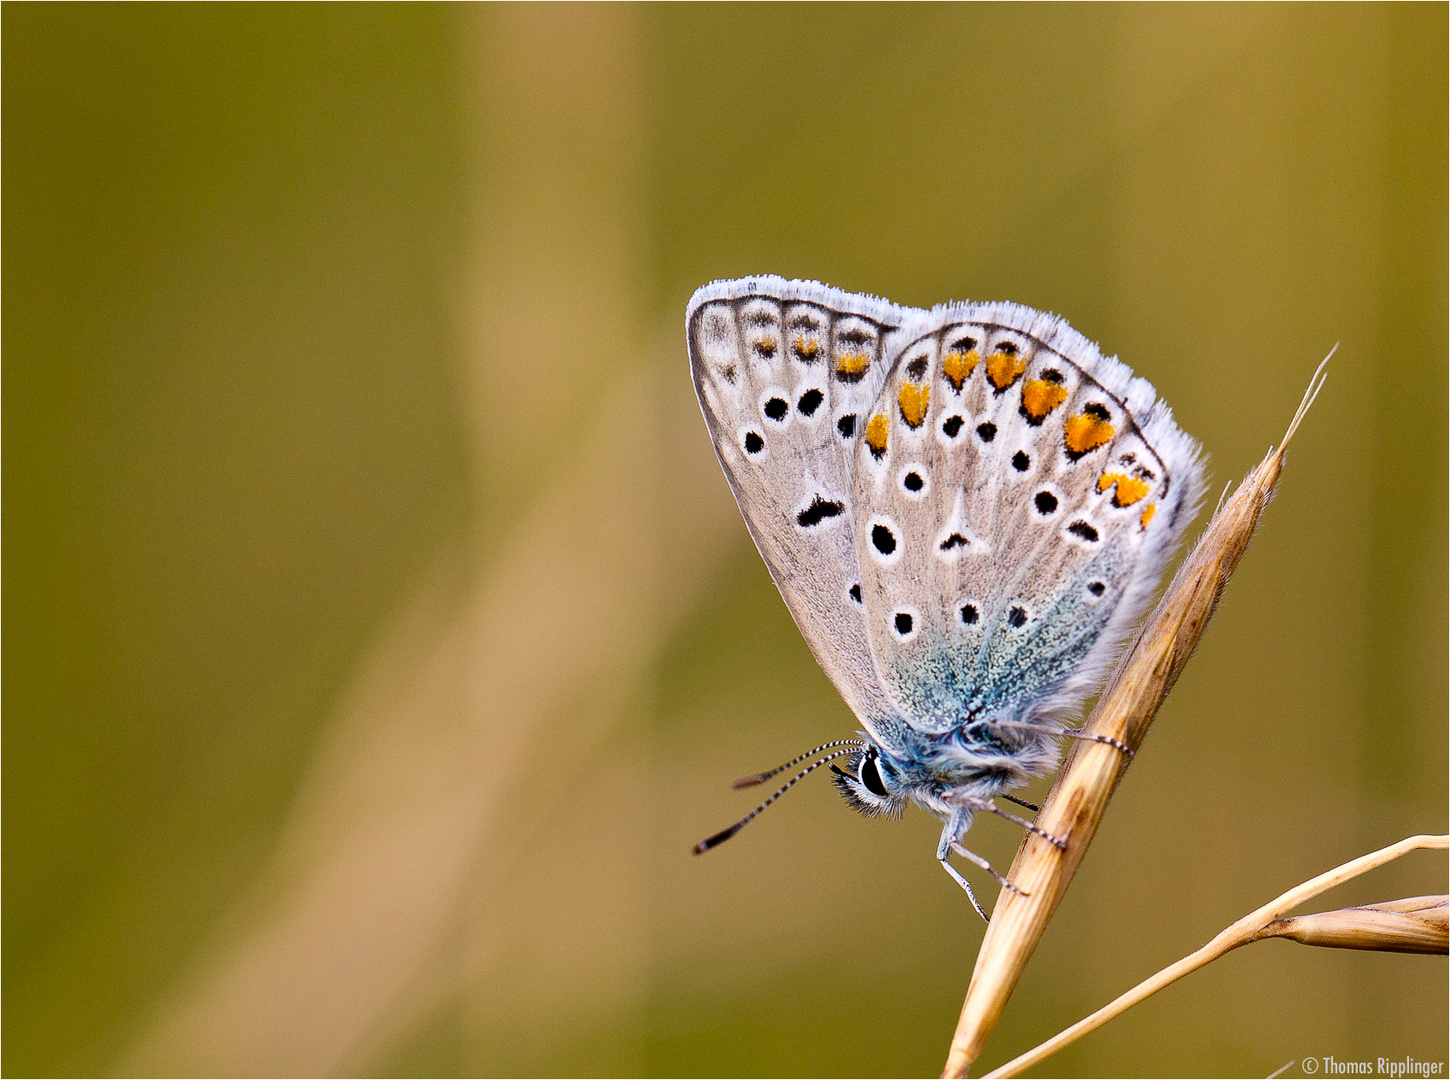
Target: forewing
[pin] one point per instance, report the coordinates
(785, 372)
(1015, 497)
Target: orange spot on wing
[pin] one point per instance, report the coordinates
(1003, 368)
(1040, 397)
(1148, 512)
(765, 346)
(913, 401)
(806, 348)
(852, 365)
(876, 431)
(957, 365)
(1130, 488)
(1085, 432)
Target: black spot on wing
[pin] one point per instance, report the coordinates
(819, 510)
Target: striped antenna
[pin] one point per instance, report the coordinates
(760, 778)
(725, 834)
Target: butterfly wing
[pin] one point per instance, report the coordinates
(785, 372)
(1016, 495)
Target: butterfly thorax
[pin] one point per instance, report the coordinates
(947, 772)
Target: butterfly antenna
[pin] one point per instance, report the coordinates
(760, 778)
(725, 834)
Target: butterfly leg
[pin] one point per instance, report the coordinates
(1031, 827)
(955, 827)
(1074, 733)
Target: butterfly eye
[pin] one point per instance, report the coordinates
(871, 776)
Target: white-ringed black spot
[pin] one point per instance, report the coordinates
(1020, 461)
(1017, 617)
(952, 427)
(754, 444)
(776, 408)
(1083, 529)
(854, 592)
(883, 539)
(819, 510)
(903, 622)
(987, 431)
(915, 480)
(955, 540)
(810, 401)
(1045, 501)
(968, 614)
(846, 425)
(1097, 588)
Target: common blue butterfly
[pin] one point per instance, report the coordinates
(965, 510)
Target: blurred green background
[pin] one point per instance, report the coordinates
(379, 629)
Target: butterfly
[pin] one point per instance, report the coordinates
(965, 510)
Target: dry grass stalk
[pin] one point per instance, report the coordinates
(1414, 925)
(1127, 706)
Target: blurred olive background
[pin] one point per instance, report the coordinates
(380, 632)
